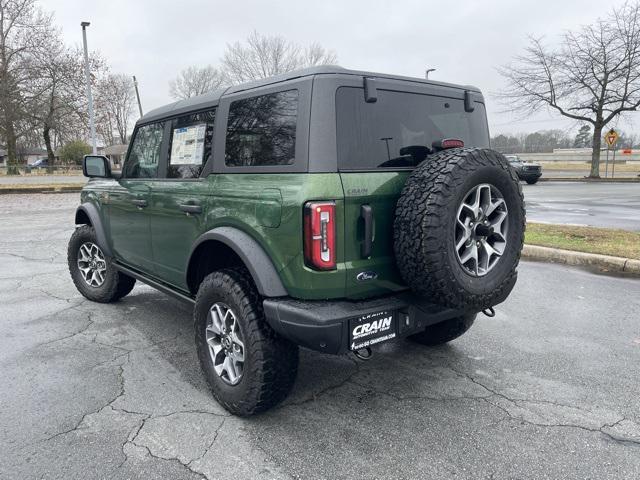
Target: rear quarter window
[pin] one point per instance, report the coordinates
(261, 130)
(371, 135)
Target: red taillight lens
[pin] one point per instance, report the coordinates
(320, 235)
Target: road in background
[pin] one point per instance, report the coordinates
(40, 179)
(610, 205)
(547, 388)
(580, 173)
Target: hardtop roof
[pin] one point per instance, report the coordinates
(212, 98)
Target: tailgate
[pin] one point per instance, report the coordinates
(381, 134)
(379, 191)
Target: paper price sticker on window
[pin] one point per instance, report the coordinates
(187, 147)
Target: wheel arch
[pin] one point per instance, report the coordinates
(87, 214)
(233, 247)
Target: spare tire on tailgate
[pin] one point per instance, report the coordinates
(459, 228)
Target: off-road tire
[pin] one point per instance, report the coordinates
(271, 362)
(116, 284)
(444, 332)
(532, 181)
(424, 228)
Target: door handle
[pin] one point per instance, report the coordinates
(190, 208)
(366, 213)
(139, 202)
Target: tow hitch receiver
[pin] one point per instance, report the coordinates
(364, 353)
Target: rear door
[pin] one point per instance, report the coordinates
(374, 161)
(180, 198)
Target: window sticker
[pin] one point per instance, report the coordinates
(187, 147)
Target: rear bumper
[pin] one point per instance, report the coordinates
(324, 325)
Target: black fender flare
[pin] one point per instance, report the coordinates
(260, 266)
(91, 212)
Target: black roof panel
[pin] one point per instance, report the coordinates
(212, 98)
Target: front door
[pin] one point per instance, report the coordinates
(129, 222)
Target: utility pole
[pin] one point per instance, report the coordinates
(92, 123)
(429, 70)
(135, 85)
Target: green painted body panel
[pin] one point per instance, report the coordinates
(128, 225)
(239, 201)
(158, 239)
(173, 232)
(381, 191)
(269, 209)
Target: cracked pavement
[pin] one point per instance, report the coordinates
(547, 388)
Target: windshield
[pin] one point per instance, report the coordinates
(398, 130)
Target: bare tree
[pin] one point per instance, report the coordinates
(315, 54)
(57, 106)
(115, 98)
(264, 56)
(23, 29)
(592, 76)
(194, 81)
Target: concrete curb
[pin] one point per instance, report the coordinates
(49, 189)
(569, 257)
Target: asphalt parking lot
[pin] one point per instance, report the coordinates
(610, 205)
(548, 388)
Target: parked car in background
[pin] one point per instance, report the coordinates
(530, 172)
(40, 163)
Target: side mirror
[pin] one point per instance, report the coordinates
(96, 166)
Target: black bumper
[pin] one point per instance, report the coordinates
(324, 325)
(534, 175)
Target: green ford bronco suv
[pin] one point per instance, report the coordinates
(324, 208)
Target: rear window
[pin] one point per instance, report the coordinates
(372, 135)
(262, 130)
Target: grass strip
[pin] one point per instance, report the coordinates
(605, 241)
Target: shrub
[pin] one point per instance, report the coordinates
(73, 152)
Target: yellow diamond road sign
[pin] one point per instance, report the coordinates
(611, 137)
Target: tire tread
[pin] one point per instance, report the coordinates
(421, 218)
(274, 364)
(116, 284)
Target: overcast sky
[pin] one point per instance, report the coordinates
(463, 40)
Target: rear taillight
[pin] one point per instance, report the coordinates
(320, 235)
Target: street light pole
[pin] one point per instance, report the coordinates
(135, 84)
(92, 124)
(426, 74)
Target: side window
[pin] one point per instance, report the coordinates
(144, 155)
(191, 144)
(262, 130)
